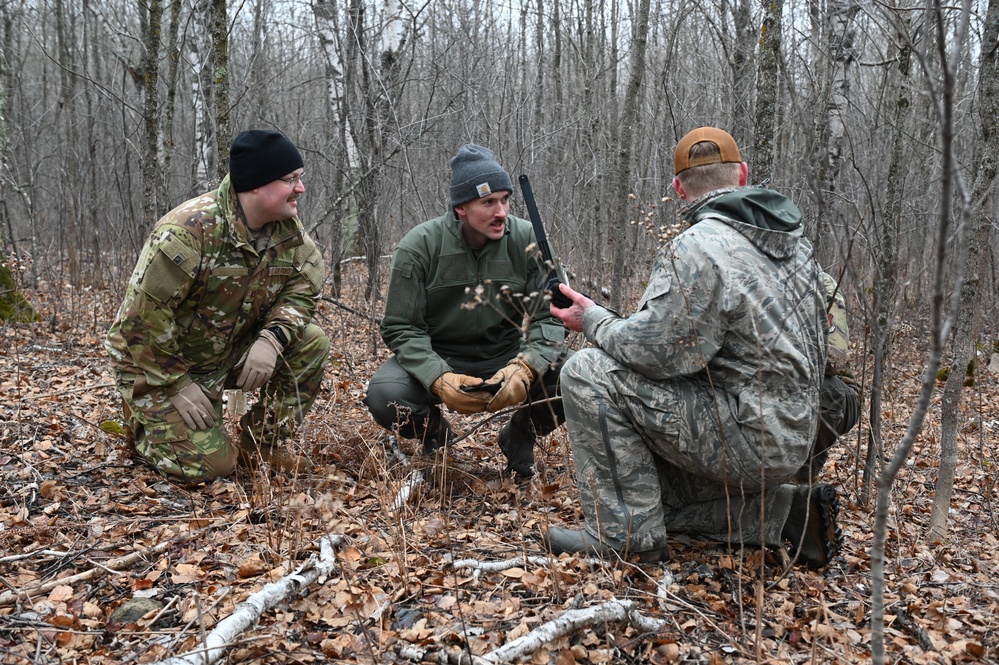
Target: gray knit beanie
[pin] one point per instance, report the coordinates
(476, 173)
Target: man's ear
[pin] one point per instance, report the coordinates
(678, 188)
(743, 174)
(460, 211)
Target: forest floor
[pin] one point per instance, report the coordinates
(74, 504)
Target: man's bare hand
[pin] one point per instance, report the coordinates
(572, 317)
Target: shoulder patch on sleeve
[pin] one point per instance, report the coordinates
(180, 255)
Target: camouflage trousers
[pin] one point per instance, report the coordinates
(660, 457)
(165, 441)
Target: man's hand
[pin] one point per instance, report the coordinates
(194, 406)
(572, 317)
(516, 377)
(259, 362)
(448, 385)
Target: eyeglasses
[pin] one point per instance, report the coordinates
(293, 181)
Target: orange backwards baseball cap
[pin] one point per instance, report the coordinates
(728, 151)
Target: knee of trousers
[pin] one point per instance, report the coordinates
(188, 455)
(391, 404)
(315, 344)
(583, 371)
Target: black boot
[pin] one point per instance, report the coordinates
(516, 440)
(437, 434)
(811, 527)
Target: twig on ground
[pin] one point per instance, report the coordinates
(342, 305)
(914, 629)
(69, 391)
(114, 565)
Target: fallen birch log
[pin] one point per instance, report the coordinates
(479, 567)
(570, 622)
(114, 565)
(250, 610)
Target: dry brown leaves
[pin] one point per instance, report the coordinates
(73, 499)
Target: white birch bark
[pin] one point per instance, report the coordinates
(199, 54)
(329, 29)
(248, 612)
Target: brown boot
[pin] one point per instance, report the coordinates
(279, 458)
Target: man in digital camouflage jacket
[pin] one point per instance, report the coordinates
(693, 414)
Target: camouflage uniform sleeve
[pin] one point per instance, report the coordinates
(295, 306)
(162, 279)
(677, 328)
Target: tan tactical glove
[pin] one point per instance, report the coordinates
(259, 362)
(448, 386)
(194, 406)
(516, 379)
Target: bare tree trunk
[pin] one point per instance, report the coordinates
(885, 253)
(627, 127)
(766, 89)
(940, 323)
(592, 120)
(13, 305)
(343, 157)
(967, 323)
(167, 140)
(6, 23)
(219, 25)
(150, 113)
(741, 59)
(827, 216)
(201, 91)
(258, 92)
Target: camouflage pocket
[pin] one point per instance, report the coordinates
(310, 264)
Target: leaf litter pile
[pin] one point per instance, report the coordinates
(382, 556)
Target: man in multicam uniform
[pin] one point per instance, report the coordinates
(693, 414)
(222, 297)
(839, 397)
(454, 319)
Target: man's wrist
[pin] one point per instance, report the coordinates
(279, 335)
(178, 385)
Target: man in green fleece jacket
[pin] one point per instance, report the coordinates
(463, 309)
(693, 414)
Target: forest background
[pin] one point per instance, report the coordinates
(877, 119)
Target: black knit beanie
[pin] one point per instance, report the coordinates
(259, 157)
(476, 173)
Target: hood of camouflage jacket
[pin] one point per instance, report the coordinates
(768, 219)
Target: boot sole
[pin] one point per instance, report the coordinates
(822, 531)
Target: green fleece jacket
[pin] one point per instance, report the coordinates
(447, 302)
